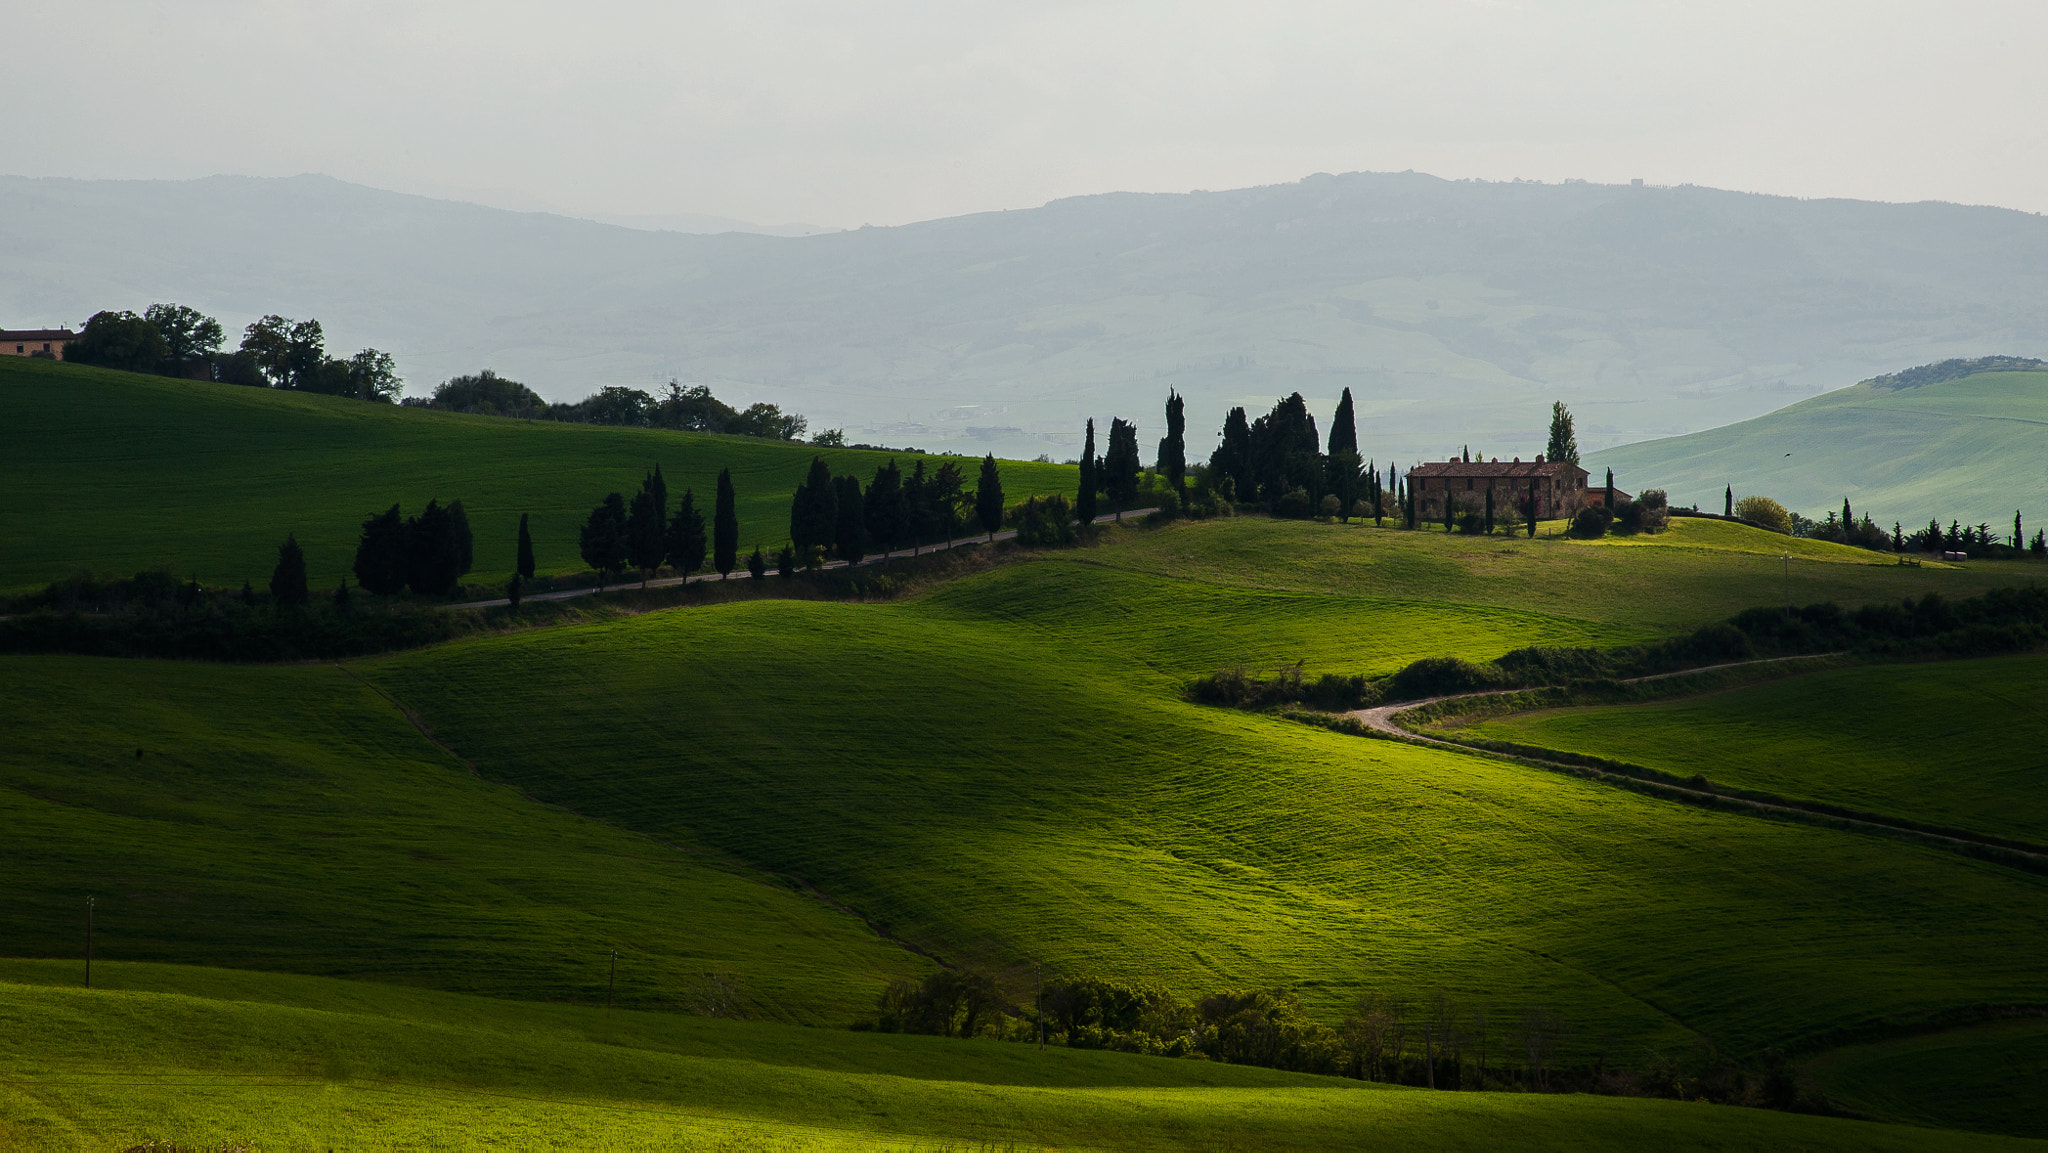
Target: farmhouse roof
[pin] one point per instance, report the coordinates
(37, 334)
(1493, 468)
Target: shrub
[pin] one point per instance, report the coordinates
(1764, 511)
(1472, 524)
(1047, 523)
(1649, 512)
(1590, 524)
(1332, 508)
(1293, 504)
(1442, 676)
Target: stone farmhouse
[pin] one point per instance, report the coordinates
(47, 342)
(1560, 487)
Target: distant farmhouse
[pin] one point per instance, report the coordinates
(44, 342)
(1560, 486)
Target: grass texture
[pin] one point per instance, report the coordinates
(1961, 744)
(204, 1057)
(116, 472)
(1990, 1077)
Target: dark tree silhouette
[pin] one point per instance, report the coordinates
(1564, 442)
(757, 565)
(433, 551)
(1344, 427)
(1232, 460)
(988, 496)
(1173, 448)
(646, 535)
(849, 535)
(1728, 501)
(686, 536)
(885, 508)
(1120, 464)
(814, 510)
(288, 579)
(524, 565)
(465, 541)
(603, 539)
(1084, 496)
(725, 527)
(380, 565)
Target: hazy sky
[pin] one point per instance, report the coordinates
(843, 114)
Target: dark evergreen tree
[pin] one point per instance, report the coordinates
(524, 565)
(1084, 496)
(1728, 501)
(1609, 497)
(1120, 464)
(1285, 451)
(1564, 442)
(1173, 448)
(1232, 460)
(2019, 534)
(1898, 537)
(850, 534)
(785, 562)
(814, 512)
(920, 508)
(604, 541)
(433, 551)
(1346, 477)
(380, 565)
(1489, 510)
(945, 494)
(725, 527)
(659, 487)
(646, 535)
(988, 497)
(465, 541)
(1344, 427)
(248, 594)
(1848, 521)
(341, 596)
(1531, 506)
(288, 579)
(886, 508)
(686, 536)
(757, 565)
(514, 590)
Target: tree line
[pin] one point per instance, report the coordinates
(679, 408)
(175, 340)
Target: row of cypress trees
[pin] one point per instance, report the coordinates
(644, 535)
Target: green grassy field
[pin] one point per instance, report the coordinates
(1004, 768)
(1967, 449)
(290, 818)
(1990, 1077)
(195, 1055)
(116, 472)
(1961, 744)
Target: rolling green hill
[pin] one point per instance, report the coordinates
(203, 1056)
(1960, 745)
(1965, 448)
(115, 472)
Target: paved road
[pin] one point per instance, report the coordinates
(669, 582)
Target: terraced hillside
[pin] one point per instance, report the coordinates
(115, 472)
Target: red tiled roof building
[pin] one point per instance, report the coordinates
(1560, 487)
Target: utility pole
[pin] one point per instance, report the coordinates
(88, 942)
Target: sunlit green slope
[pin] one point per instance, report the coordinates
(1960, 745)
(112, 471)
(291, 818)
(1966, 449)
(204, 1058)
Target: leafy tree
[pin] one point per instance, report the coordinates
(603, 539)
(1564, 442)
(686, 536)
(769, 421)
(849, 535)
(289, 353)
(1120, 464)
(814, 509)
(188, 334)
(988, 496)
(120, 340)
(693, 409)
(944, 495)
(1766, 512)
(1344, 427)
(524, 565)
(885, 507)
(646, 533)
(725, 527)
(433, 550)
(373, 376)
(288, 579)
(613, 404)
(1232, 460)
(757, 565)
(487, 394)
(1084, 496)
(1173, 449)
(381, 554)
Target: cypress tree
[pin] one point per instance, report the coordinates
(381, 553)
(1344, 427)
(944, 494)
(1728, 501)
(1489, 510)
(1084, 497)
(1532, 506)
(1450, 508)
(646, 535)
(1848, 521)
(604, 541)
(849, 535)
(725, 527)
(1232, 459)
(1120, 464)
(885, 508)
(686, 536)
(513, 589)
(1173, 449)
(1564, 442)
(814, 513)
(525, 562)
(659, 487)
(433, 552)
(988, 496)
(921, 505)
(341, 596)
(757, 565)
(785, 562)
(1610, 492)
(465, 542)
(2019, 534)
(288, 579)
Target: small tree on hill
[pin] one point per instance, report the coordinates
(380, 564)
(988, 496)
(725, 527)
(120, 340)
(1173, 449)
(1084, 495)
(757, 565)
(1120, 464)
(189, 334)
(1728, 501)
(524, 565)
(686, 536)
(603, 539)
(288, 579)
(1564, 442)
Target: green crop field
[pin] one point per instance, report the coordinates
(1990, 1077)
(1966, 449)
(197, 1055)
(116, 472)
(1961, 745)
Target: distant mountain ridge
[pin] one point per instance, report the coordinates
(1455, 311)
